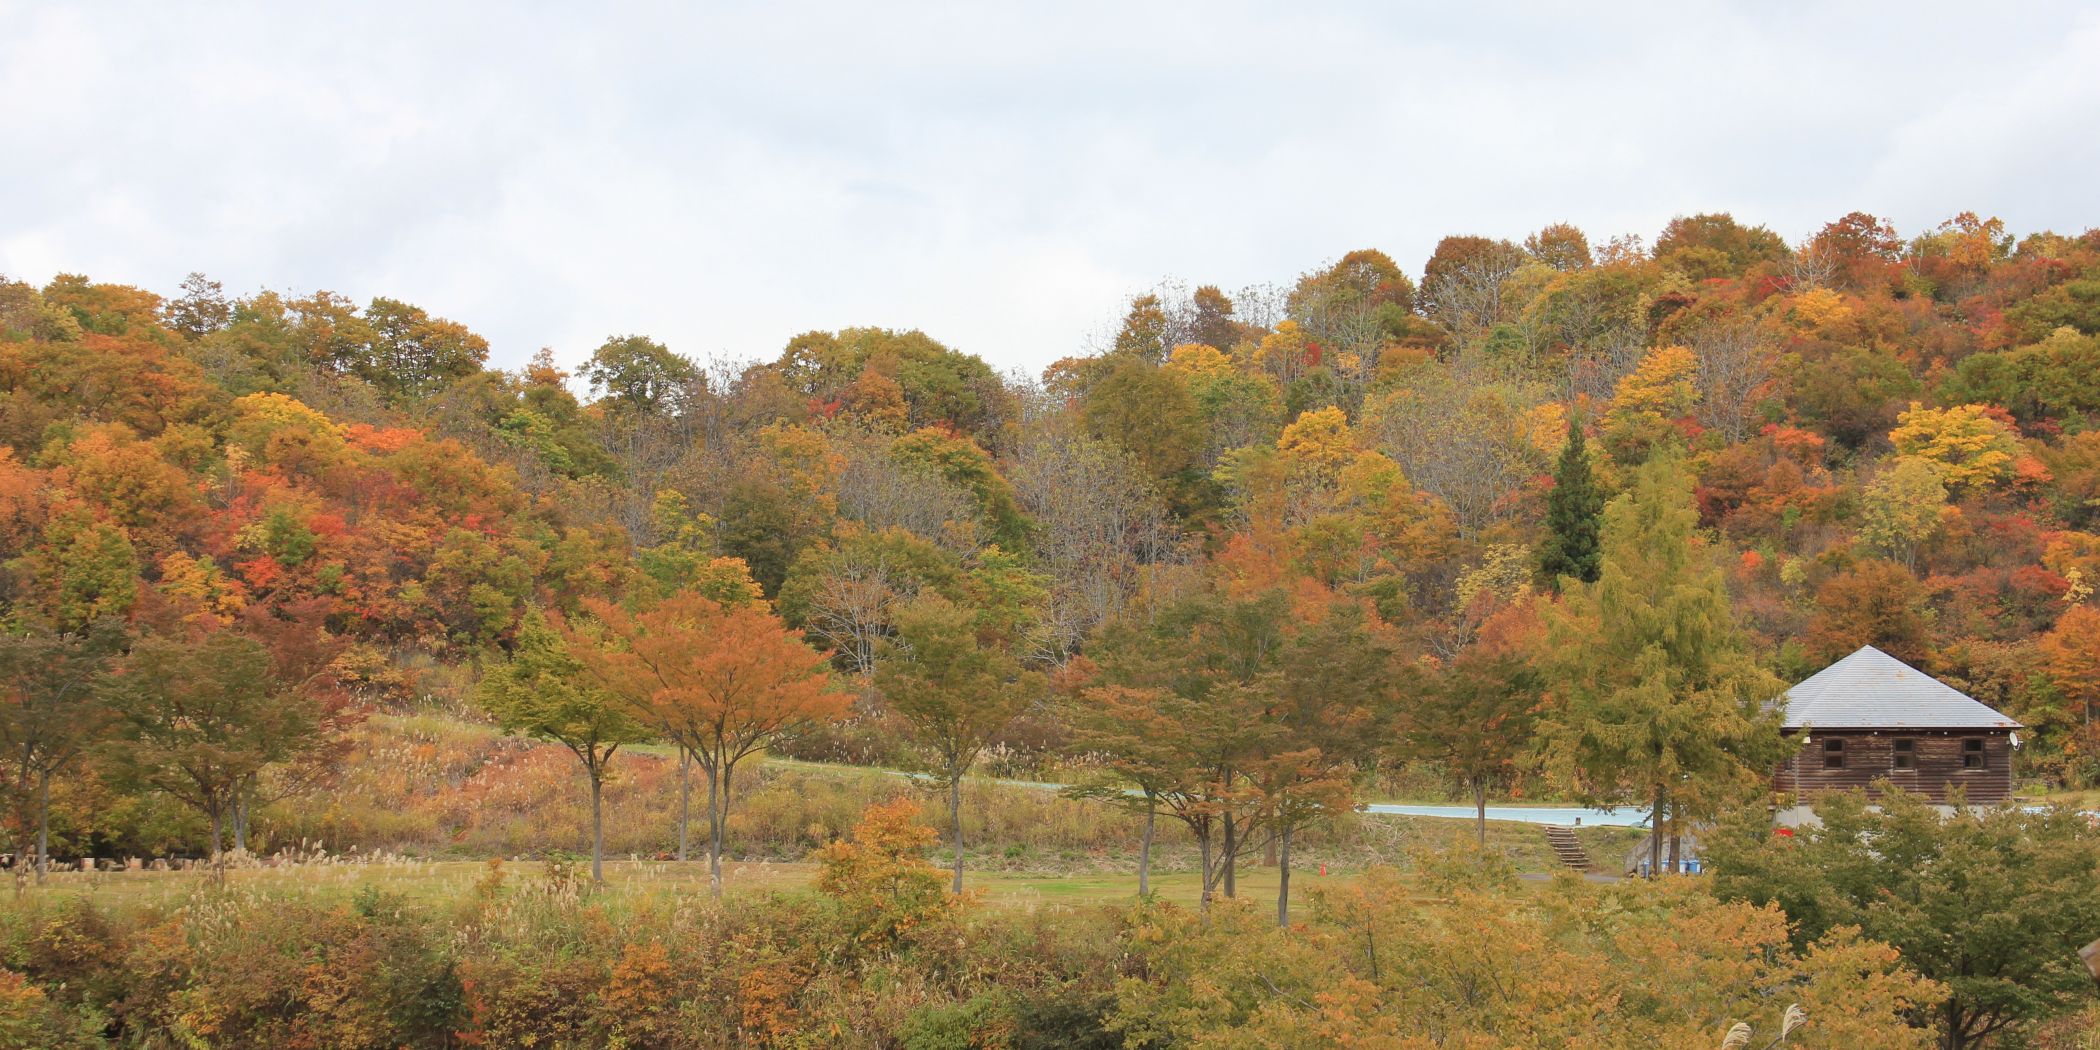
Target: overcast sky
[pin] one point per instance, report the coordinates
(723, 179)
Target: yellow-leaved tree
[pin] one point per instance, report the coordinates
(1971, 446)
(1318, 443)
(1477, 963)
(1649, 401)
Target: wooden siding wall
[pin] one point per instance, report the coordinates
(1936, 766)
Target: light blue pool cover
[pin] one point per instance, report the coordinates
(1617, 816)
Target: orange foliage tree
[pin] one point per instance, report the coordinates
(2072, 650)
(882, 876)
(721, 681)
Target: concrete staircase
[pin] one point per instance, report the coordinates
(1567, 848)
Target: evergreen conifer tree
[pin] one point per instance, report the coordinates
(1574, 510)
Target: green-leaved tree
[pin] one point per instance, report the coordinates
(543, 691)
(1992, 903)
(953, 678)
(198, 719)
(52, 710)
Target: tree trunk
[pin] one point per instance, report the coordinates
(1655, 835)
(597, 827)
(25, 848)
(1231, 848)
(1145, 850)
(1676, 847)
(240, 822)
(714, 828)
(718, 819)
(1283, 875)
(1480, 811)
(43, 826)
(218, 841)
(1203, 860)
(685, 796)
(955, 821)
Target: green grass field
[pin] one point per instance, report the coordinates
(441, 881)
(2076, 798)
(629, 878)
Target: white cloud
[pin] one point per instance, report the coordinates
(999, 177)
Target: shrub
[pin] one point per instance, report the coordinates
(30, 1020)
(273, 973)
(880, 877)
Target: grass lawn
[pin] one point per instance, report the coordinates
(2085, 798)
(1524, 844)
(436, 882)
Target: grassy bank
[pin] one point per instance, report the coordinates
(439, 788)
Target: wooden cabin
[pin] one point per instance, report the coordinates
(1871, 717)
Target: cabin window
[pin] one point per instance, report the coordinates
(1972, 754)
(1905, 755)
(1834, 754)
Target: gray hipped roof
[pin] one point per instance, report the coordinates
(1872, 690)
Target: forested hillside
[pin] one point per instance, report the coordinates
(1547, 518)
(1890, 440)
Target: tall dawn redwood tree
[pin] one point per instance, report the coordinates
(1573, 512)
(544, 691)
(1653, 696)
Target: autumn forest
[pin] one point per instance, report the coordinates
(355, 693)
